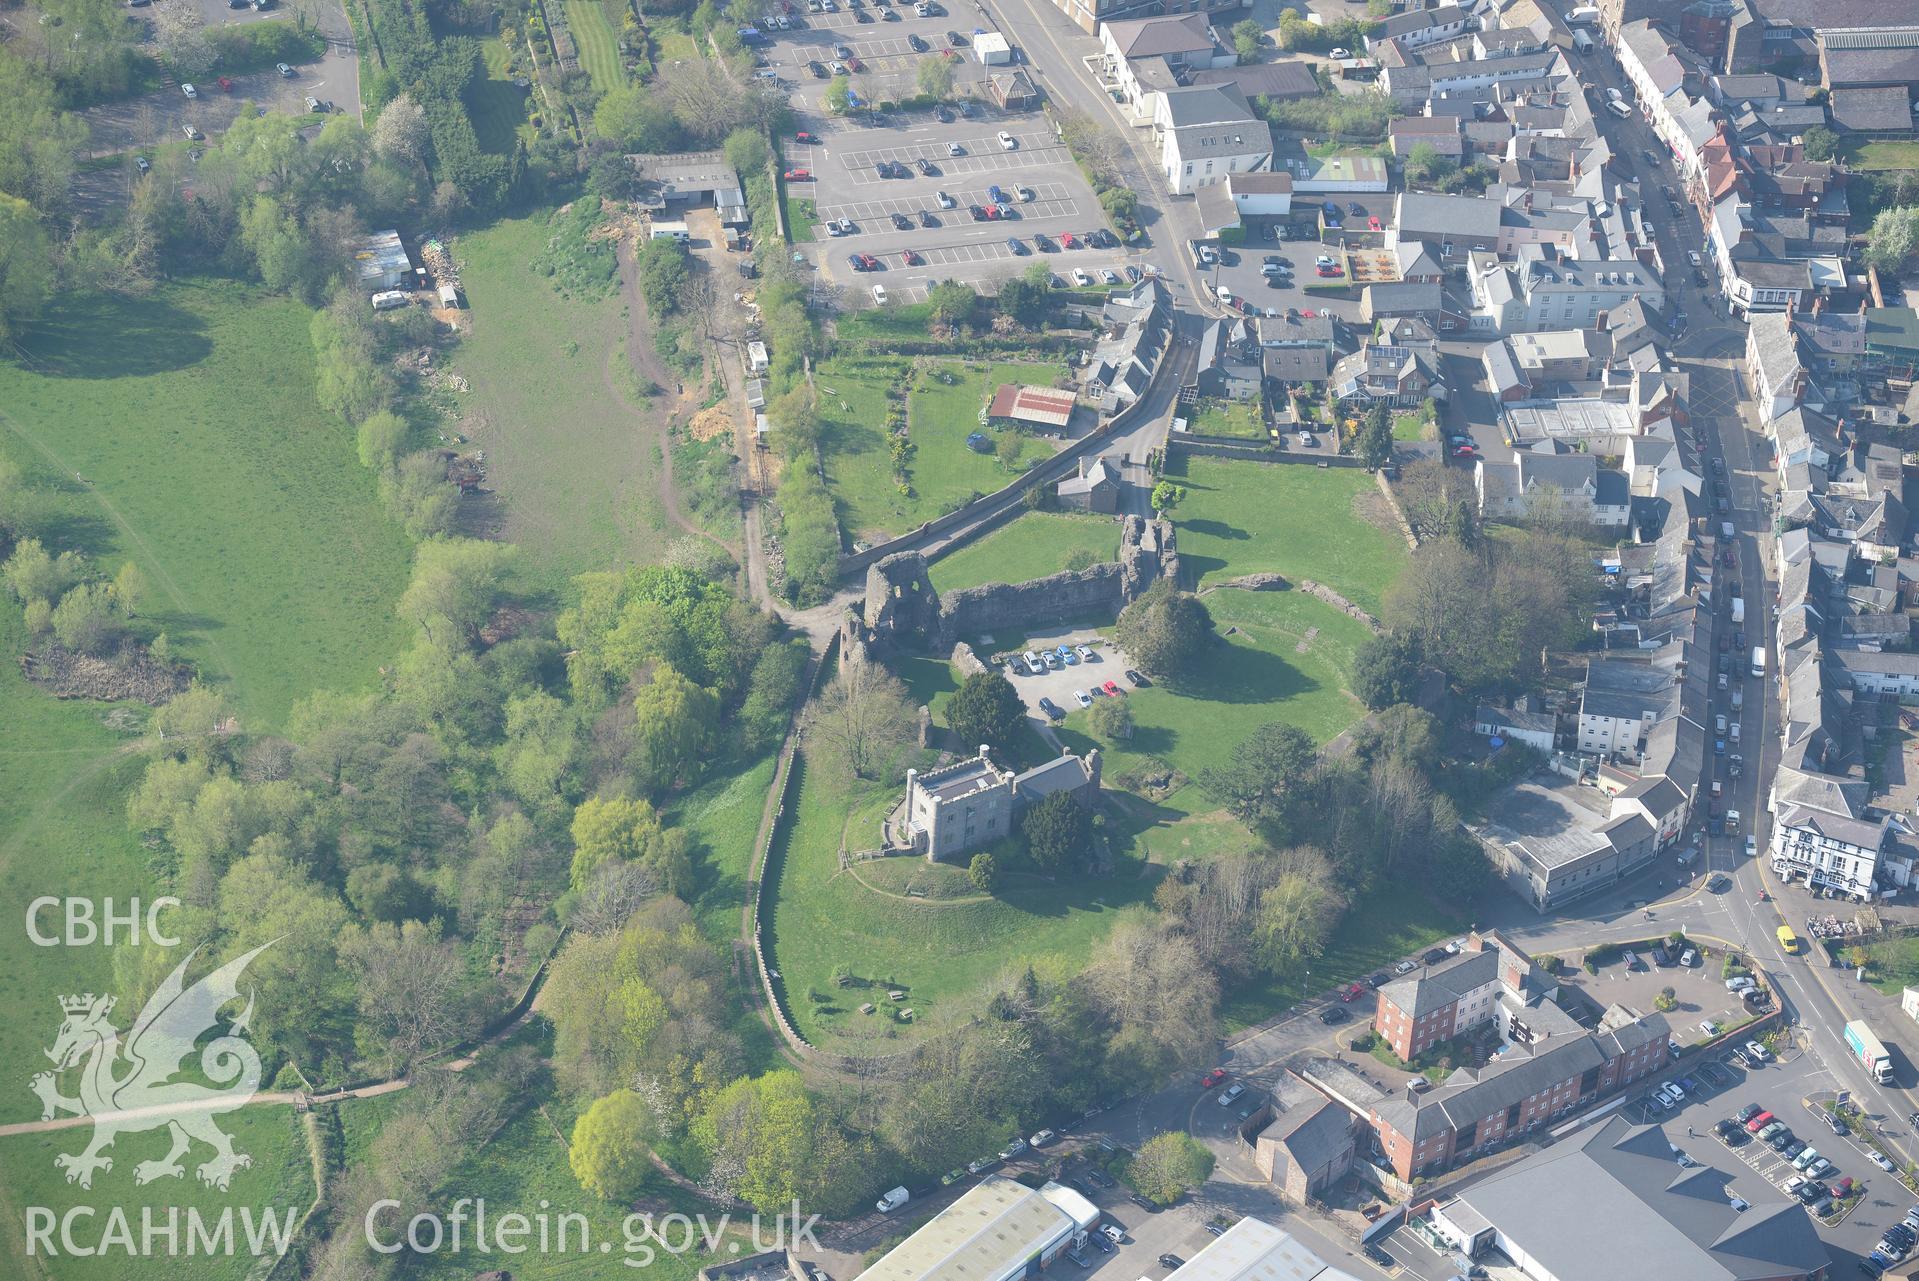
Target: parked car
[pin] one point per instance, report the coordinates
(285, 70)
(189, 91)
(1231, 1094)
(1332, 1014)
(1044, 1137)
(1136, 678)
(1007, 141)
(1081, 697)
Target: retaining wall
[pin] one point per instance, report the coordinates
(1216, 447)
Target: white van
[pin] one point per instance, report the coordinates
(1033, 664)
(893, 1200)
(388, 299)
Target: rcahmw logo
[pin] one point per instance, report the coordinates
(135, 1088)
(84, 1231)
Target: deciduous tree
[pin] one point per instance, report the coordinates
(865, 718)
(1165, 630)
(610, 1146)
(1170, 1164)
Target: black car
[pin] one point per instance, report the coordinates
(918, 45)
(1779, 1141)
(1099, 1176)
(1793, 1149)
(842, 52)
(1435, 956)
(1377, 981)
(1380, 1257)
(1013, 243)
(1143, 1204)
(927, 219)
(902, 222)
(1810, 1192)
(1332, 1014)
(945, 117)
(978, 212)
(1099, 1239)
(1171, 1261)
(1051, 709)
(955, 39)
(819, 71)
(1136, 678)
(853, 261)
(1044, 244)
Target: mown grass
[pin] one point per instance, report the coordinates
(1254, 676)
(945, 472)
(1236, 418)
(941, 952)
(1303, 522)
(599, 46)
(1881, 153)
(575, 470)
(1030, 546)
(498, 107)
(190, 415)
(723, 817)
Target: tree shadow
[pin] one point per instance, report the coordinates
(97, 335)
(1217, 529)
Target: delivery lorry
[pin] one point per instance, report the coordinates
(1869, 1051)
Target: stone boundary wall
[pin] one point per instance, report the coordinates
(1178, 446)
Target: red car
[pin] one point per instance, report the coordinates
(1354, 992)
(1462, 451)
(1332, 271)
(803, 136)
(1112, 688)
(994, 213)
(799, 175)
(226, 85)
(913, 259)
(1372, 223)
(1069, 241)
(1310, 314)
(855, 64)
(869, 262)
(1212, 1078)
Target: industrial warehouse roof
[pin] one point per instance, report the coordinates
(987, 1234)
(1627, 1187)
(1252, 1250)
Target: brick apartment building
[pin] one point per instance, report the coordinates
(1545, 1067)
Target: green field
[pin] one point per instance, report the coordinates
(280, 1181)
(724, 818)
(1258, 675)
(940, 950)
(497, 106)
(599, 46)
(1029, 546)
(574, 468)
(190, 415)
(945, 473)
(1884, 153)
(1303, 522)
(1414, 424)
(1236, 418)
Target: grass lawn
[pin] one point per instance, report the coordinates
(599, 46)
(1257, 675)
(941, 951)
(1393, 920)
(723, 816)
(280, 1181)
(1029, 546)
(802, 216)
(908, 320)
(1412, 425)
(573, 466)
(1304, 522)
(497, 105)
(1893, 964)
(945, 473)
(271, 562)
(1885, 153)
(674, 46)
(1236, 418)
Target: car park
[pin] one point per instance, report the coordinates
(799, 175)
(1007, 141)
(879, 294)
(955, 149)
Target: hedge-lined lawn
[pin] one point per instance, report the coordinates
(1030, 546)
(1254, 676)
(1303, 522)
(1237, 418)
(497, 106)
(941, 951)
(598, 45)
(802, 216)
(944, 472)
(723, 817)
(190, 413)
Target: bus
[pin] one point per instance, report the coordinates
(1788, 940)
(1758, 660)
